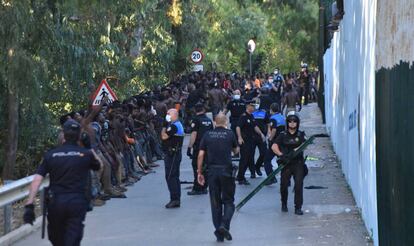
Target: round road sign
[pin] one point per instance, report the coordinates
(196, 56)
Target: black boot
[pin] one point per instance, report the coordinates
(298, 211)
(258, 171)
(223, 231)
(219, 236)
(271, 181)
(173, 204)
(284, 208)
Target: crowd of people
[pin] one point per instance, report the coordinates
(126, 136)
(107, 148)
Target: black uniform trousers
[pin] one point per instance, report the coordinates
(233, 124)
(295, 169)
(196, 185)
(66, 214)
(307, 94)
(222, 189)
(246, 158)
(172, 160)
(268, 160)
(262, 152)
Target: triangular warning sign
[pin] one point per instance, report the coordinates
(103, 91)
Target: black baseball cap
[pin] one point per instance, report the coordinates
(71, 125)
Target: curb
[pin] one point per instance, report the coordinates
(20, 233)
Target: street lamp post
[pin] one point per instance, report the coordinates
(251, 45)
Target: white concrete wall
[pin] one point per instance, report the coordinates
(350, 104)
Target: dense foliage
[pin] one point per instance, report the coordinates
(54, 52)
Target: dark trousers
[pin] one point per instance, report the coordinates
(233, 126)
(246, 158)
(262, 152)
(307, 94)
(196, 185)
(222, 189)
(295, 169)
(172, 162)
(268, 161)
(66, 214)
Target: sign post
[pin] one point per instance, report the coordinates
(251, 46)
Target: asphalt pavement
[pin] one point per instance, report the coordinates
(330, 218)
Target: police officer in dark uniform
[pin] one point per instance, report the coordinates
(68, 167)
(218, 145)
(262, 120)
(173, 135)
(236, 106)
(247, 130)
(199, 126)
(283, 146)
(277, 86)
(277, 125)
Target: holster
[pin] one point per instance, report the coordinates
(48, 196)
(173, 150)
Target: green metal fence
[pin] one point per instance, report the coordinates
(395, 154)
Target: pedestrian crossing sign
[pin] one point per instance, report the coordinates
(103, 91)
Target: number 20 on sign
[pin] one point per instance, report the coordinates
(196, 56)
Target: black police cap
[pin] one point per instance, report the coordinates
(251, 102)
(199, 107)
(71, 125)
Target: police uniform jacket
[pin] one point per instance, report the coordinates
(236, 108)
(278, 122)
(287, 142)
(200, 124)
(218, 144)
(247, 123)
(262, 119)
(175, 131)
(68, 167)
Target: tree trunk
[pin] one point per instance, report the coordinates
(13, 128)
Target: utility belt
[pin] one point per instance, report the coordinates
(231, 169)
(173, 150)
(52, 195)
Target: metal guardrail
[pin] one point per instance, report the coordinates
(15, 191)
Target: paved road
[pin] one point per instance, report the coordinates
(331, 217)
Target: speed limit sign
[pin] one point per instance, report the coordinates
(196, 56)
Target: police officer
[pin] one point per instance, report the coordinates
(173, 135)
(199, 125)
(277, 86)
(277, 125)
(247, 130)
(283, 146)
(218, 145)
(68, 167)
(236, 106)
(262, 120)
